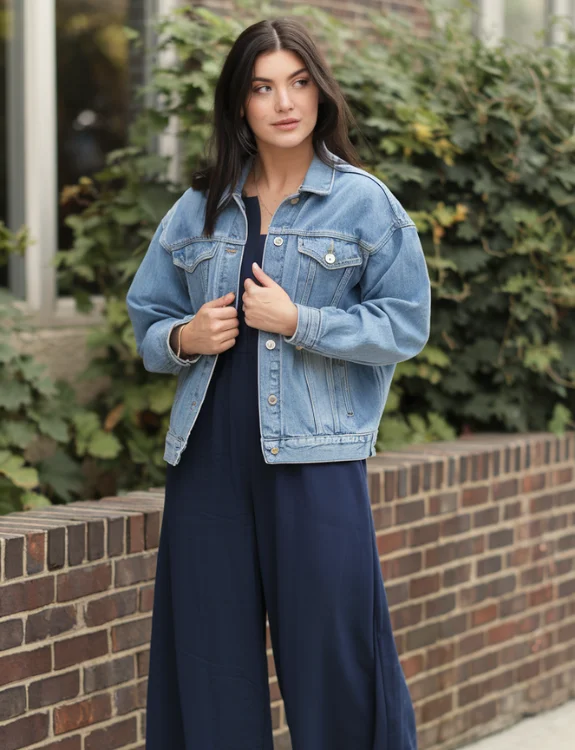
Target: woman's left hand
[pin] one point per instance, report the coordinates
(268, 307)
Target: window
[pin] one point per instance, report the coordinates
(67, 81)
(97, 74)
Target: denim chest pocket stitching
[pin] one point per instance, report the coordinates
(333, 259)
(189, 256)
(331, 253)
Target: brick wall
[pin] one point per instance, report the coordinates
(477, 544)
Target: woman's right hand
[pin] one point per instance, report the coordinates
(213, 329)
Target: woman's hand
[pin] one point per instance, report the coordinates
(268, 307)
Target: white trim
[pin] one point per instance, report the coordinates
(41, 152)
(168, 140)
(565, 9)
(491, 20)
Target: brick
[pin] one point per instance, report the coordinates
(397, 593)
(489, 565)
(423, 636)
(471, 643)
(512, 606)
(26, 595)
(398, 567)
(445, 502)
(24, 664)
(56, 548)
(83, 713)
(50, 622)
(501, 633)
(84, 582)
(533, 482)
(505, 489)
(146, 598)
(440, 655)
(452, 626)
(96, 530)
(437, 707)
(413, 665)
(51, 690)
(12, 702)
(456, 525)
(391, 542)
(486, 517)
(484, 615)
(406, 616)
(70, 743)
(112, 672)
(409, 512)
(23, 732)
(439, 606)
(76, 544)
(421, 535)
(475, 496)
(130, 634)
(130, 697)
(11, 634)
(457, 575)
(513, 510)
(132, 570)
(14, 557)
(104, 609)
(35, 552)
(113, 736)
(79, 649)
(501, 538)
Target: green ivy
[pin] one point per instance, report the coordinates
(478, 144)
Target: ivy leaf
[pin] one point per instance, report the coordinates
(13, 467)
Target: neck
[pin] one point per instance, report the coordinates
(277, 170)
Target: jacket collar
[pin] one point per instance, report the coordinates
(318, 179)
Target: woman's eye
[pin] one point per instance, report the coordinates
(300, 80)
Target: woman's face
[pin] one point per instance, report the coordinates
(289, 92)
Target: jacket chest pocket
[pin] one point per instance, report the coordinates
(197, 260)
(326, 269)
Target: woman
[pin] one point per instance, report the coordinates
(282, 288)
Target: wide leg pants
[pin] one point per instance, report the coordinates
(240, 537)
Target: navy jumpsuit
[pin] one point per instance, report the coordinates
(240, 538)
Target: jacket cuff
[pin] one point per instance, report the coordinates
(171, 352)
(307, 330)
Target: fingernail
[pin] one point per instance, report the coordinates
(255, 264)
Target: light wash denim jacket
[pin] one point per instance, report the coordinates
(350, 258)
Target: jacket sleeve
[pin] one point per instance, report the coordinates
(157, 301)
(392, 321)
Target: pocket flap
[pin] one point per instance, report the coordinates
(330, 252)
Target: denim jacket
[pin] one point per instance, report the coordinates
(350, 258)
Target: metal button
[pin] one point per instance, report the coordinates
(299, 347)
(330, 258)
(278, 241)
(272, 399)
(294, 200)
(271, 344)
(275, 450)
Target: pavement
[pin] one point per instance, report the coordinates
(550, 730)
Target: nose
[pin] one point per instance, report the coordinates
(283, 100)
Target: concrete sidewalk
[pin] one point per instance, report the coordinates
(551, 730)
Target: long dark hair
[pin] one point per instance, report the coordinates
(232, 140)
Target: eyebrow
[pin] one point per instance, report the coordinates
(270, 80)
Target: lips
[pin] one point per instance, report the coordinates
(286, 122)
